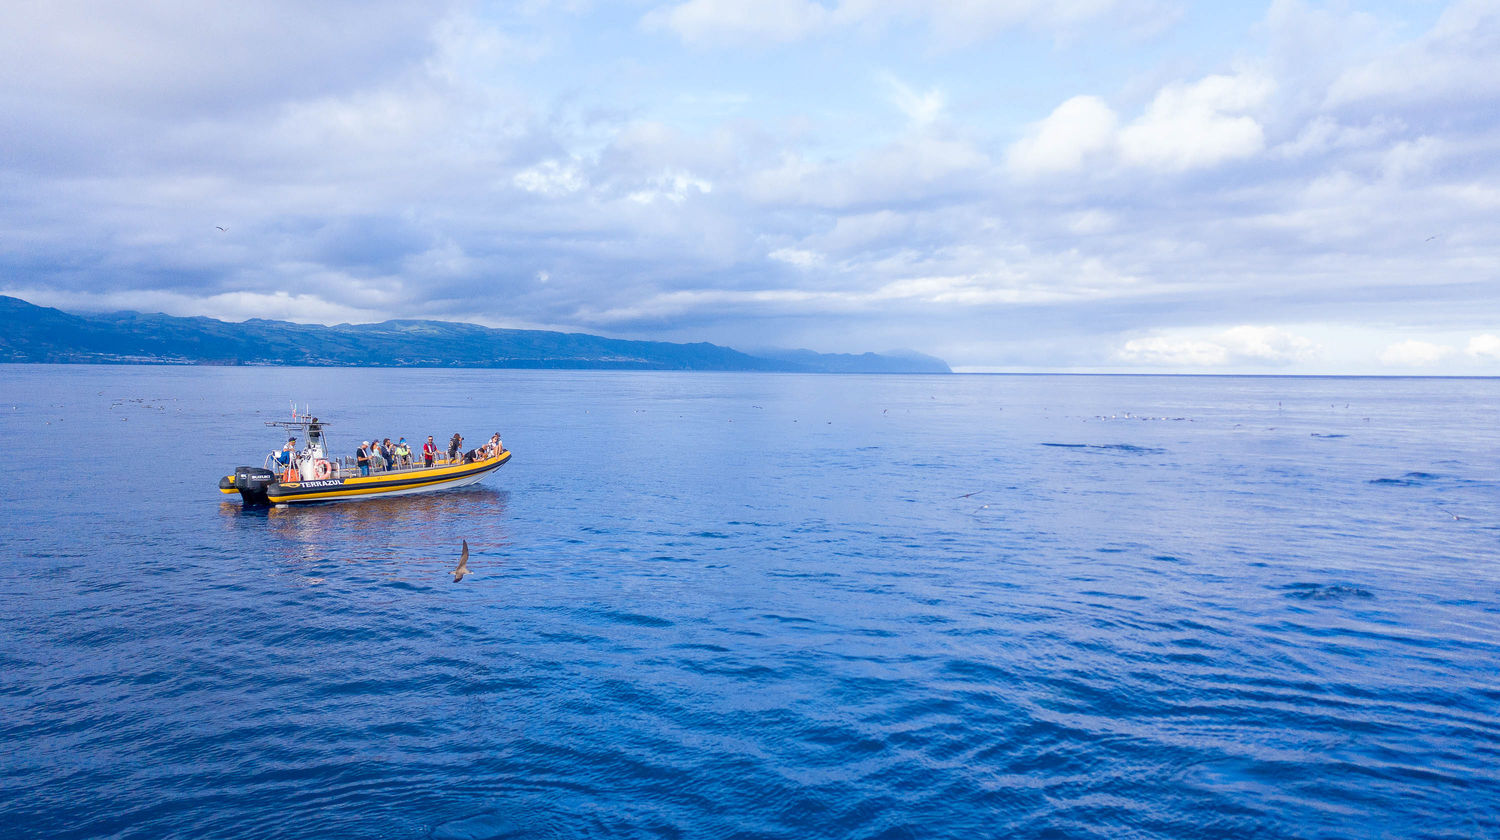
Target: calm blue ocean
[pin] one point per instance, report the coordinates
(756, 606)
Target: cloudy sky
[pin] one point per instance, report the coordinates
(1089, 185)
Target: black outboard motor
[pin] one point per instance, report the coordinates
(252, 483)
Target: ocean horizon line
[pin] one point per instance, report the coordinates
(601, 369)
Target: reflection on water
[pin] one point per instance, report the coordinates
(380, 529)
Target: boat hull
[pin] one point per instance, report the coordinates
(375, 486)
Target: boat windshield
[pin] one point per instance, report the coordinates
(315, 434)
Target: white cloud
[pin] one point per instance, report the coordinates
(1174, 352)
(1456, 59)
(1414, 158)
(912, 168)
(1485, 346)
(227, 306)
(1242, 345)
(862, 231)
(800, 257)
(1186, 126)
(1413, 353)
(551, 178)
(997, 289)
(950, 21)
(445, 259)
(722, 21)
(1266, 344)
(167, 57)
(927, 291)
(1325, 134)
(922, 109)
(1198, 125)
(673, 186)
(1092, 222)
(1080, 129)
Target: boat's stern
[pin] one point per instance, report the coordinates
(251, 483)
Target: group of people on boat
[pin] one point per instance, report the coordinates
(484, 451)
(384, 456)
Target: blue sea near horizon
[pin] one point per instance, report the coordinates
(756, 606)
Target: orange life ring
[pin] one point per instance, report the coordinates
(322, 469)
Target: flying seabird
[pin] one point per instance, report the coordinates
(463, 564)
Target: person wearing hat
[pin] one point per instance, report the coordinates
(284, 457)
(362, 458)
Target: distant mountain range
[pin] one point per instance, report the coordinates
(30, 333)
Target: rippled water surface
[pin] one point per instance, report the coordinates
(752, 606)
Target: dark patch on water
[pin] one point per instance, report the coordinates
(634, 619)
(725, 669)
(1110, 447)
(1411, 479)
(788, 619)
(493, 826)
(1325, 591)
(807, 575)
(977, 672)
(1121, 596)
(569, 638)
(700, 646)
(1321, 435)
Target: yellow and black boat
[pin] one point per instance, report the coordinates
(308, 475)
